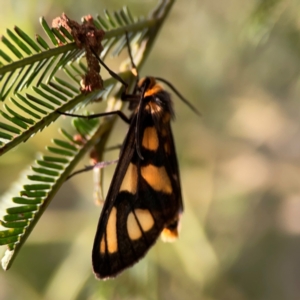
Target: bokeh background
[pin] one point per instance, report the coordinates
(238, 62)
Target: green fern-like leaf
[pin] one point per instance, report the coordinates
(43, 66)
(44, 61)
(41, 109)
(47, 175)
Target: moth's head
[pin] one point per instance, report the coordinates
(147, 82)
(150, 86)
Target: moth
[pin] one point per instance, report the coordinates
(144, 199)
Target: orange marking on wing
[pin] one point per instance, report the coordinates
(111, 232)
(166, 118)
(150, 139)
(102, 244)
(145, 219)
(129, 182)
(167, 147)
(164, 132)
(157, 178)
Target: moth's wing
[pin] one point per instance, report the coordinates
(170, 231)
(106, 255)
(160, 155)
(144, 199)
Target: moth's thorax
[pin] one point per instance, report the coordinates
(150, 85)
(157, 101)
(162, 115)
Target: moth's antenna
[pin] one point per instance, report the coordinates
(134, 69)
(171, 86)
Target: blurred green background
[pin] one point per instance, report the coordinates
(238, 62)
